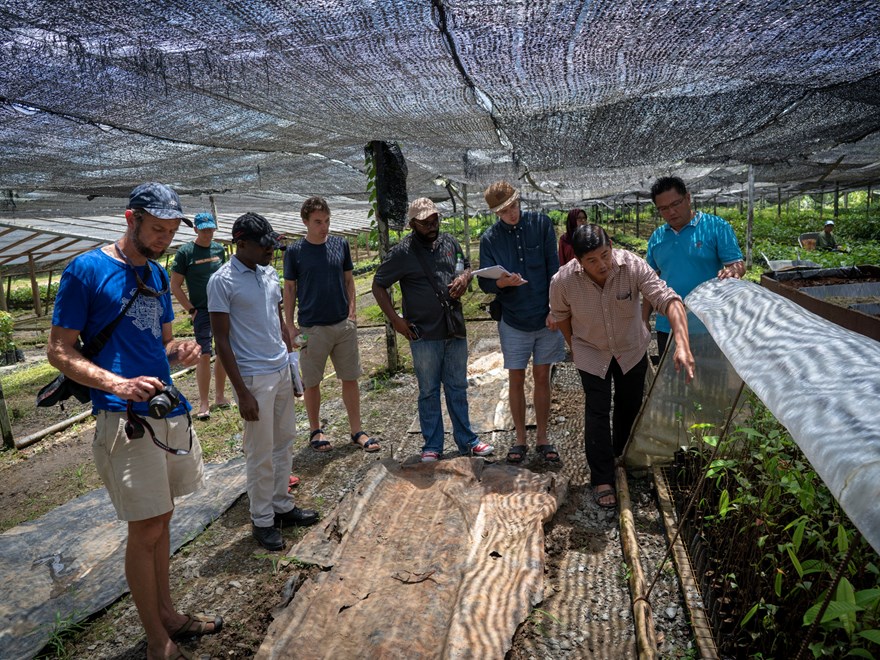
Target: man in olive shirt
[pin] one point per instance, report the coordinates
(195, 262)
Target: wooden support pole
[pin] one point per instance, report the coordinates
(821, 204)
(638, 232)
(643, 620)
(467, 222)
(5, 426)
(836, 199)
(751, 221)
(868, 204)
(384, 248)
(8, 290)
(778, 202)
(49, 290)
(35, 288)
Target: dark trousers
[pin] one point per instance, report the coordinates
(628, 390)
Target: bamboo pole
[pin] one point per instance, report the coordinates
(35, 288)
(751, 221)
(5, 426)
(643, 620)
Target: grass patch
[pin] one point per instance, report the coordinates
(28, 380)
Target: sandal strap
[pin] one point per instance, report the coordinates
(316, 432)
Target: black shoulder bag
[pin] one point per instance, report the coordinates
(455, 326)
(62, 388)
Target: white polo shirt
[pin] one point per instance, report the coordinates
(251, 298)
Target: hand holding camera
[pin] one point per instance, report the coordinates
(160, 405)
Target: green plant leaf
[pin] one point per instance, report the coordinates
(798, 536)
(777, 584)
(860, 653)
(749, 615)
(724, 503)
(871, 635)
(836, 610)
(794, 560)
(868, 598)
(842, 540)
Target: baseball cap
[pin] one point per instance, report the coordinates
(159, 200)
(204, 221)
(829, 222)
(500, 195)
(422, 208)
(254, 227)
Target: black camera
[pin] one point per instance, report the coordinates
(164, 402)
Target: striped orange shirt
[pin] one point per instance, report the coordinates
(606, 322)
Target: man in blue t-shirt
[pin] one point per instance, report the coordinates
(143, 463)
(318, 275)
(691, 248)
(525, 245)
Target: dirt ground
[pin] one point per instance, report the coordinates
(586, 610)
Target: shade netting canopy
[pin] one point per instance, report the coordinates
(575, 100)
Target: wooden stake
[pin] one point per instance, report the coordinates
(643, 620)
(35, 288)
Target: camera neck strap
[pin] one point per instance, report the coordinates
(135, 421)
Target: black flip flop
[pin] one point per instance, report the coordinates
(605, 492)
(548, 453)
(517, 454)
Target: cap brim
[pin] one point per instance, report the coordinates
(510, 200)
(168, 214)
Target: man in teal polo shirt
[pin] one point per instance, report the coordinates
(691, 248)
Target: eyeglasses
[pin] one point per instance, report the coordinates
(674, 205)
(143, 288)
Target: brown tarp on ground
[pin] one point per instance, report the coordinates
(434, 560)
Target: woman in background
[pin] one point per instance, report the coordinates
(576, 218)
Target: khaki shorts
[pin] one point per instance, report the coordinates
(339, 342)
(141, 478)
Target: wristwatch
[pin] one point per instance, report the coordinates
(191, 310)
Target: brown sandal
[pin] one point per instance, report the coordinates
(196, 626)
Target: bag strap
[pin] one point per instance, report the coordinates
(421, 255)
(97, 343)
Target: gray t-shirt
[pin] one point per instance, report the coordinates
(251, 298)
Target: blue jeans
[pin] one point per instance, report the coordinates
(435, 362)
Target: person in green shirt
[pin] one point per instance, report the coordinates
(826, 240)
(194, 263)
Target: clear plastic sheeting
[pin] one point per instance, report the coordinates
(820, 380)
(672, 407)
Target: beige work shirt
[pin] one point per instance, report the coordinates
(606, 322)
